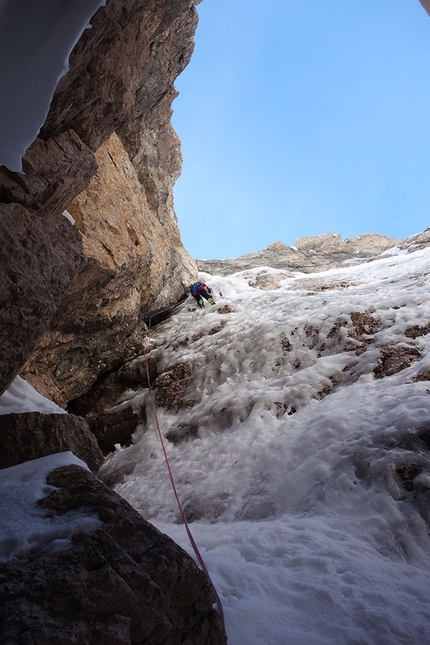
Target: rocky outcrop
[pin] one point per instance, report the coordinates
(32, 435)
(39, 257)
(121, 72)
(308, 255)
(123, 583)
(416, 242)
(81, 287)
(426, 5)
(395, 358)
(136, 265)
(116, 426)
(111, 67)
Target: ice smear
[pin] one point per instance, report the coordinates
(304, 523)
(23, 524)
(22, 397)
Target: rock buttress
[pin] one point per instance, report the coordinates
(123, 583)
(110, 83)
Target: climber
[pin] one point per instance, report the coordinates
(200, 290)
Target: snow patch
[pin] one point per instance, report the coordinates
(22, 397)
(67, 215)
(24, 525)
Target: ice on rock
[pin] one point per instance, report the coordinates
(298, 465)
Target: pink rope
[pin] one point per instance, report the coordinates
(178, 501)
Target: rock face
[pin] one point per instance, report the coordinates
(426, 5)
(40, 254)
(120, 79)
(136, 265)
(124, 583)
(81, 287)
(32, 435)
(309, 254)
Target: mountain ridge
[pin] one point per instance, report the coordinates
(316, 253)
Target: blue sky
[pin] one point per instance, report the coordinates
(302, 117)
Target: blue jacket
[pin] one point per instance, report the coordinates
(196, 288)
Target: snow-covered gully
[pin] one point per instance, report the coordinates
(299, 442)
(299, 436)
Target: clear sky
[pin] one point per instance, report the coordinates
(303, 117)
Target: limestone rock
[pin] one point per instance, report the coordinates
(39, 257)
(426, 5)
(116, 425)
(308, 255)
(171, 386)
(416, 242)
(116, 75)
(108, 389)
(136, 265)
(124, 583)
(55, 171)
(110, 64)
(366, 244)
(395, 358)
(32, 435)
(268, 281)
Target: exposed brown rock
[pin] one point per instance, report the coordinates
(110, 386)
(111, 64)
(366, 244)
(182, 432)
(104, 394)
(418, 330)
(217, 328)
(124, 583)
(360, 327)
(111, 421)
(333, 331)
(31, 435)
(115, 426)
(394, 358)
(39, 257)
(404, 465)
(55, 171)
(426, 5)
(363, 323)
(170, 386)
(121, 71)
(416, 242)
(135, 266)
(423, 376)
(286, 346)
(407, 473)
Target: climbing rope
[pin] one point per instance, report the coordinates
(178, 501)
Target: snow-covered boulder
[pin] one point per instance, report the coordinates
(87, 568)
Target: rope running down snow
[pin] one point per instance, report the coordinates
(181, 511)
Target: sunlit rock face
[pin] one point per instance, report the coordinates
(120, 79)
(308, 254)
(136, 265)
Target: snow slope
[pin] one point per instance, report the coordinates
(305, 471)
